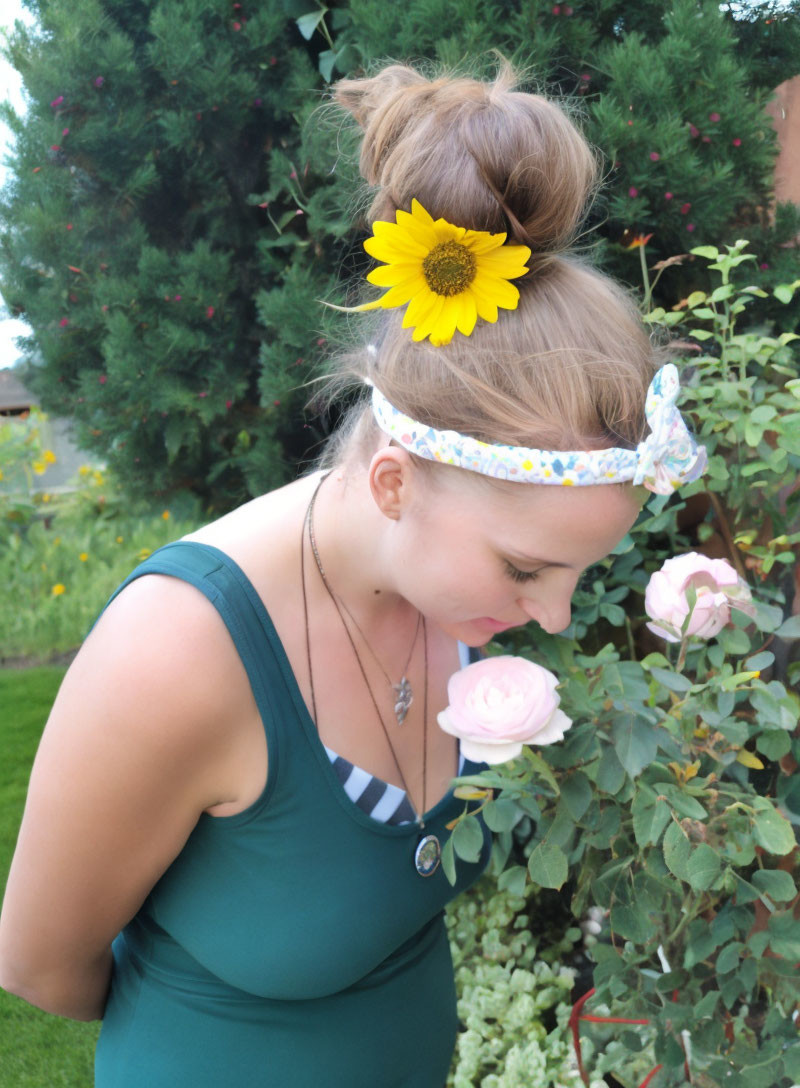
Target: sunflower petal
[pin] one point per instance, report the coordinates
(389, 275)
(481, 241)
(391, 250)
(397, 296)
(467, 313)
(424, 328)
(419, 307)
(501, 292)
(417, 229)
(486, 307)
(502, 264)
(420, 213)
(444, 326)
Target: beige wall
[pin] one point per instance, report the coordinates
(785, 110)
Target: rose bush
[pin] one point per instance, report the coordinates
(717, 588)
(500, 704)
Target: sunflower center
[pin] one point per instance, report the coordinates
(449, 268)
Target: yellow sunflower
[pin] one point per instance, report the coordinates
(449, 276)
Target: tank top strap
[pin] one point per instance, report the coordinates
(228, 588)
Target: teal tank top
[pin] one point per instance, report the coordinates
(292, 944)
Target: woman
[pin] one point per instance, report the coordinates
(241, 771)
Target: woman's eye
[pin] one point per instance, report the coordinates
(520, 575)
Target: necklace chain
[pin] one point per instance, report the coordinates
(308, 521)
(404, 693)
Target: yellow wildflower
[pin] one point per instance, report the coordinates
(84, 470)
(143, 554)
(50, 457)
(165, 515)
(83, 557)
(119, 540)
(58, 589)
(39, 467)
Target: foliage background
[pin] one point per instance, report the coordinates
(179, 202)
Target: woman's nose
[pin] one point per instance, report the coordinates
(552, 613)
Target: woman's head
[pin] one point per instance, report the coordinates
(570, 366)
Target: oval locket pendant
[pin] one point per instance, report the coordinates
(427, 855)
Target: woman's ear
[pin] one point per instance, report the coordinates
(390, 477)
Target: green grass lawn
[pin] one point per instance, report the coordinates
(36, 1050)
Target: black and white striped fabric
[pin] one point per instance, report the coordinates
(381, 800)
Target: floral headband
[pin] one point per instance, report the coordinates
(666, 459)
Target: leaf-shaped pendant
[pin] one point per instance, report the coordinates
(404, 699)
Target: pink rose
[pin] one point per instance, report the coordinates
(716, 584)
(499, 704)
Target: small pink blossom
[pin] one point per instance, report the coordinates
(57, 102)
(654, 155)
(685, 208)
(99, 81)
(717, 587)
(633, 191)
(694, 131)
(706, 139)
(209, 311)
(228, 403)
(65, 132)
(668, 196)
(763, 266)
(64, 322)
(102, 379)
(714, 117)
(499, 704)
(177, 298)
(203, 394)
(736, 141)
(556, 9)
(690, 227)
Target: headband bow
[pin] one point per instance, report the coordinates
(667, 458)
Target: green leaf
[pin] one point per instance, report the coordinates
(783, 293)
(635, 742)
(467, 838)
(547, 866)
(774, 743)
(759, 661)
(501, 815)
(541, 768)
(728, 958)
(606, 828)
(325, 63)
(576, 793)
(775, 883)
(789, 629)
(449, 861)
(711, 253)
(745, 892)
(703, 867)
(673, 681)
(772, 831)
(677, 849)
(610, 772)
(513, 880)
(700, 334)
(308, 23)
(683, 803)
(650, 816)
(631, 923)
(706, 1005)
(784, 935)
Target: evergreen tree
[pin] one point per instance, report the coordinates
(159, 183)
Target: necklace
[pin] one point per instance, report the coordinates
(404, 693)
(428, 850)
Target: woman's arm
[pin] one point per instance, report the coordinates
(137, 746)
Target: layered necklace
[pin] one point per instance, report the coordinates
(428, 851)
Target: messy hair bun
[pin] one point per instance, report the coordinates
(570, 366)
(480, 155)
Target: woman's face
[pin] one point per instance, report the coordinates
(477, 560)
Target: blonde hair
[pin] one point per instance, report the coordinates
(569, 368)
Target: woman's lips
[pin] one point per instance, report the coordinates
(495, 625)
